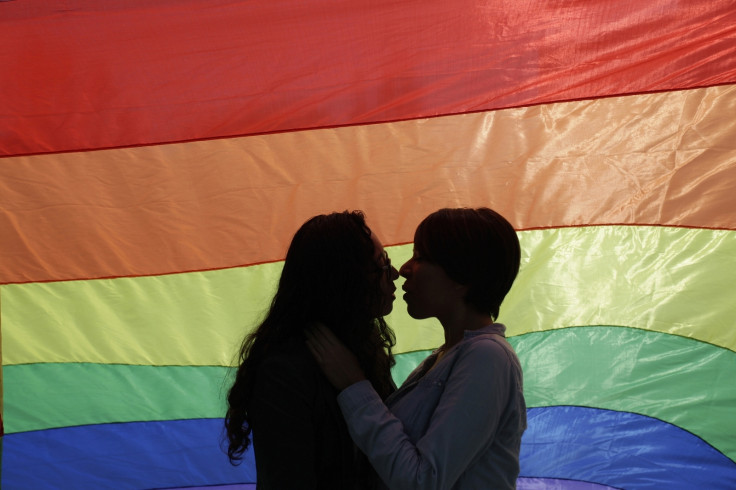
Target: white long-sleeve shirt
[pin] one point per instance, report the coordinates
(456, 426)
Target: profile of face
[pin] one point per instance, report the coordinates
(428, 290)
(462, 258)
(388, 274)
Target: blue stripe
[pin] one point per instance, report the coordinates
(585, 446)
(136, 455)
(619, 449)
(557, 484)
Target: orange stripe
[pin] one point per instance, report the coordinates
(669, 160)
(121, 73)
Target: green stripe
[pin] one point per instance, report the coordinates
(681, 381)
(43, 396)
(405, 364)
(672, 280)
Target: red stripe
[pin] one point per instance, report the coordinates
(131, 73)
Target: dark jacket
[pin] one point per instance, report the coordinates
(299, 434)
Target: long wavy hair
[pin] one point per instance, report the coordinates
(329, 276)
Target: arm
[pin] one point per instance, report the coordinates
(463, 424)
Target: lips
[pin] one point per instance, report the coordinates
(407, 293)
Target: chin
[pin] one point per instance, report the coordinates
(385, 309)
(416, 314)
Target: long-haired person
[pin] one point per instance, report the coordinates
(457, 420)
(337, 273)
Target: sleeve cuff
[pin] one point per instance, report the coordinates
(356, 395)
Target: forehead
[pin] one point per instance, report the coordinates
(377, 246)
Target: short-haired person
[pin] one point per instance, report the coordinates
(337, 273)
(457, 420)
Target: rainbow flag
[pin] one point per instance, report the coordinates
(157, 156)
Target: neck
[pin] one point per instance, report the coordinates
(464, 319)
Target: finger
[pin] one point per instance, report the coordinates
(313, 340)
(327, 335)
(314, 350)
(316, 339)
(309, 335)
(322, 335)
(316, 335)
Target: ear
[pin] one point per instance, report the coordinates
(461, 289)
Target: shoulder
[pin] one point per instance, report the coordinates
(288, 381)
(288, 362)
(492, 351)
(487, 344)
(292, 353)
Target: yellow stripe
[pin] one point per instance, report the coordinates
(671, 280)
(183, 319)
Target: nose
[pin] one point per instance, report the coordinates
(394, 273)
(405, 269)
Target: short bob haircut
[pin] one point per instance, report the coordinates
(476, 248)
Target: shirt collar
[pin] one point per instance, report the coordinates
(497, 328)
